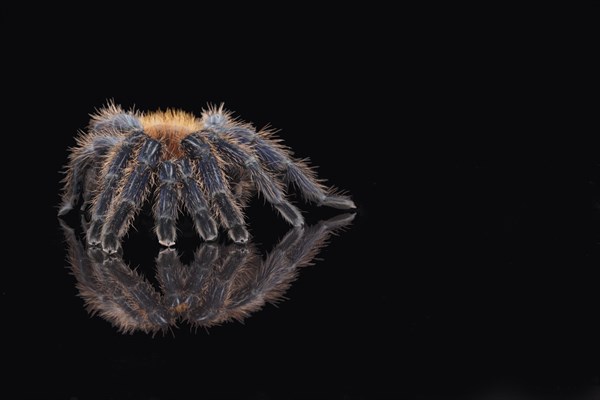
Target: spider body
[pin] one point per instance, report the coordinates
(210, 165)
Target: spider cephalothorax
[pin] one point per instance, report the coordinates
(210, 165)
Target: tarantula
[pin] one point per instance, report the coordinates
(210, 165)
(222, 283)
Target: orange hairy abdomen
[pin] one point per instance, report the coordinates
(170, 128)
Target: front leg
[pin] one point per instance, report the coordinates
(115, 164)
(132, 196)
(195, 202)
(166, 205)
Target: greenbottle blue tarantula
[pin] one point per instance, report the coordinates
(210, 165)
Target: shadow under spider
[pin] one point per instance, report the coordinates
(223, 282)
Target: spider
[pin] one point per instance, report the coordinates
(209, 165)
(223, 282)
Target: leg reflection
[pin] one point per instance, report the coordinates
(111, 289)
(222, 283)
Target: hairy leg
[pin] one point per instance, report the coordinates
(267, 184)
(113, 290)
(241, 184)
(195, 202)
(80, 264)
(205, 259)
(112, 118)
(166, 204)
(89, 152)
(172, 277)
(297, 249)
(128, 300)
(299, 174)
(218, 287)
(217, 187)
(276, 157)
(115, 164)
(130, 199)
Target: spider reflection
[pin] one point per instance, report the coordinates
(222, 283)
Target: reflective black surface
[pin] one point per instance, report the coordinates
(469, 271)
(222, 282)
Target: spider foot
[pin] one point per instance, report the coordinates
(165, 230)
(339, 221)
(239, 234)
(337, 201)
(94, 233)
(207, 228)
(110, 243)
(166, 242)
(290, 213)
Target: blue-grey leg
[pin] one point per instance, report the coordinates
(131, 197)
(129, 301)
(115, 122)
(268, 185)
(276, 158)
(172, 276)
(280, 267)
(77, 182)
(114, 171)
(218, 287)
(75, 179)
(217, 187)
(195, 202)
(205, 260)
(166, 205)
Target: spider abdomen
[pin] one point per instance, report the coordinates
(170, 137)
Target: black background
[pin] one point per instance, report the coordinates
(471, 268)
